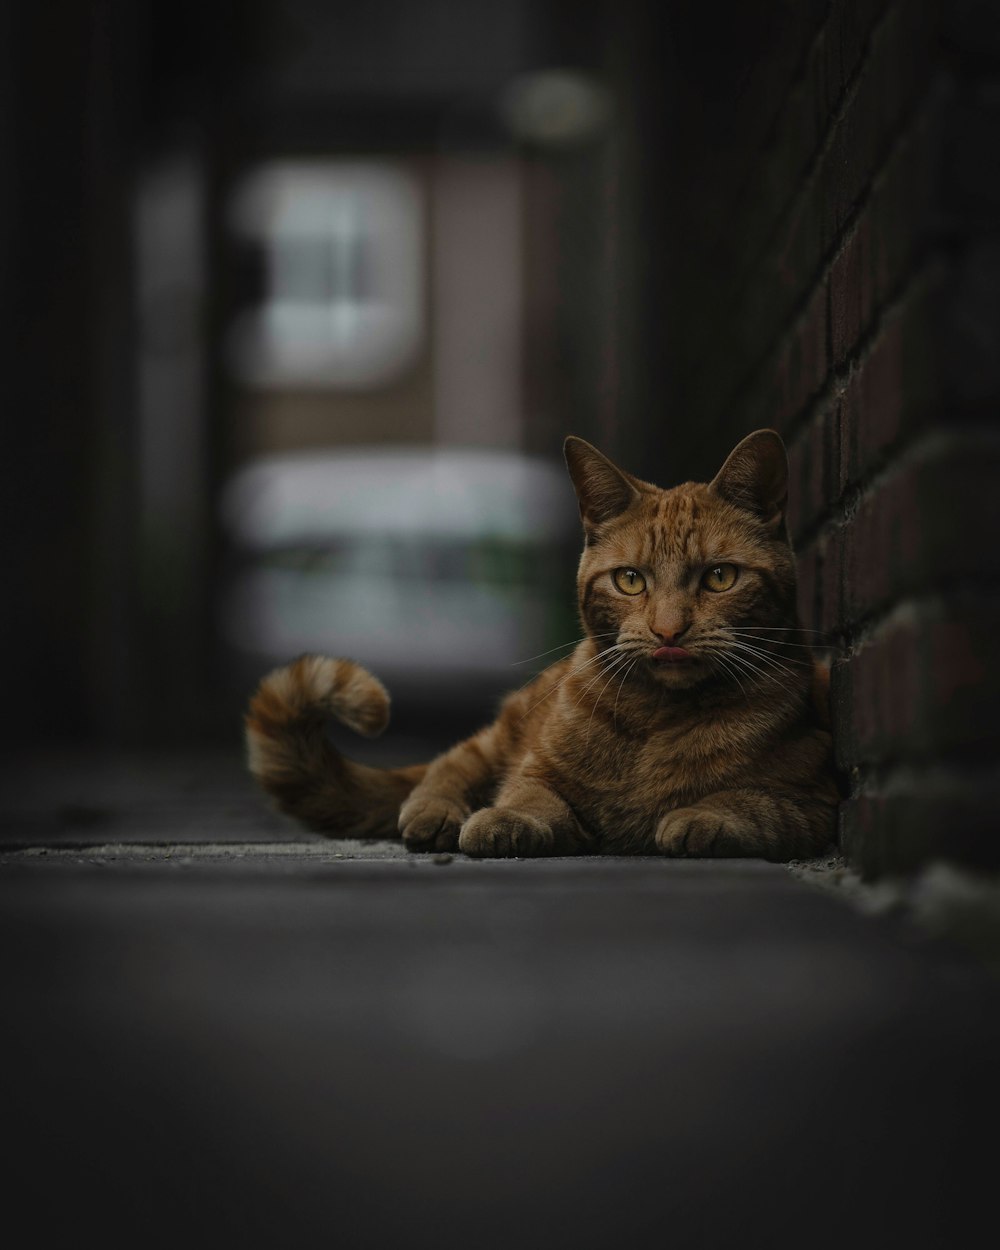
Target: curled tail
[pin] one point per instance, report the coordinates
(289, 754)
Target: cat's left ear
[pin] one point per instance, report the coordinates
(602, 489)
(755, 478)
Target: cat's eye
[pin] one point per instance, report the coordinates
(720, 577)
(629, 582)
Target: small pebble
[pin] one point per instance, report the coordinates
(441, 859)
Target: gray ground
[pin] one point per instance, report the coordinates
(218, 1029)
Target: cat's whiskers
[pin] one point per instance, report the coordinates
(721, 649)
(781, 629)
(722, 660)
(781, 663)
(594, 659)
(753, 636)
(621, 651)
(776, 670)
(720, 645)
(777, 642)
(640, 650)
(558, 685)
(535, 676)
(576, 642)
(625, 677)
(751, 669)
(619, 664)
(763, 674)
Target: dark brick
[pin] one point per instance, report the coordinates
(970, 326)
(847, 280)
(925, 526)
(807, 568)
(923, 689)
(892, 393)
(889, 234)
(898, 833)
(898, 70)
(805, 117)
(801, 369)
(872, 407)
(904, 208)
(813, 464)
(895, 215)
(830, 550)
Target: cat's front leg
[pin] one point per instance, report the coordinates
(775, 825)
(431, 822)
(453, 786)
(528, 818)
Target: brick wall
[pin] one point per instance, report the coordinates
(839, 280)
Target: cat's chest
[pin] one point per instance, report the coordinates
(630, 771)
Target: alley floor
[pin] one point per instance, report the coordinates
(220, 1030)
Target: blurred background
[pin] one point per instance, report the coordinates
(303, 299)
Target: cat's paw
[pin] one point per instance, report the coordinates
(699, 831)
(498, 832)
(428, 823)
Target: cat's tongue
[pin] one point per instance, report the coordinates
(671, 654)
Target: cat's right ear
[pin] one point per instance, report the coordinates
(755, 478)
(603, 491)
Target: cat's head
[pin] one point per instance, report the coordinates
(693, 582)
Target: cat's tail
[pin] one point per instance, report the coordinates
(292, 759)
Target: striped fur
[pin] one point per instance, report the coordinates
(608, 750)
(291, 757)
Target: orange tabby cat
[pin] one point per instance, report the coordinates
(691, 720)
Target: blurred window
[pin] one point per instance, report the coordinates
(424, 565)
(343, 249)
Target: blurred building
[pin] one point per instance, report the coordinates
(281, 228)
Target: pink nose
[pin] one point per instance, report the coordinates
(669, 633)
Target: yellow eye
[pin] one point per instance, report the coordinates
(629, 582)
(720, 577)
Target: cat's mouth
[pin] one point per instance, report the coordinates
(672, 655)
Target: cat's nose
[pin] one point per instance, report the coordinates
(670, 633)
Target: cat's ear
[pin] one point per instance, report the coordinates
(602, 489)
(755, 477)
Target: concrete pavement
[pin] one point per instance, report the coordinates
(243, 1036)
